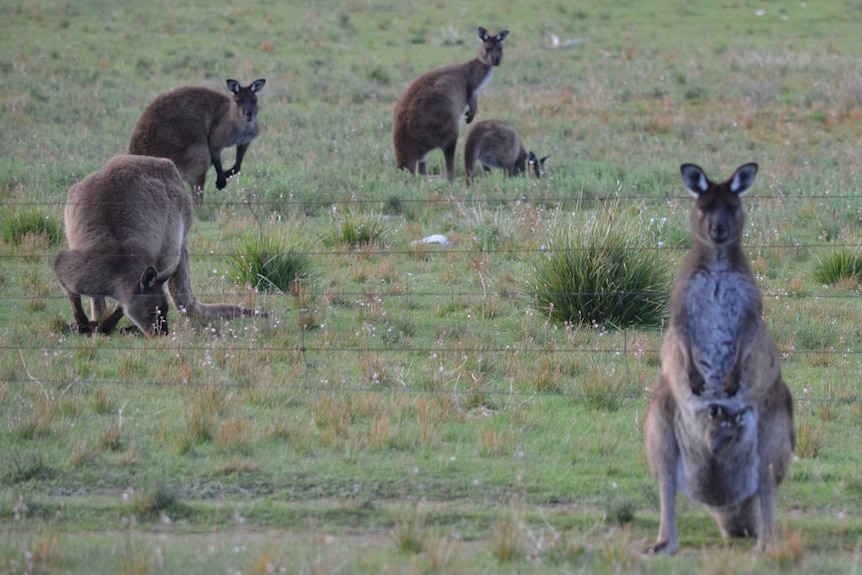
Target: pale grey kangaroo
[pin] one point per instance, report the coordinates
(720, 422)
(192, 125)
(496, 144)
(127, 227)
(429, 113)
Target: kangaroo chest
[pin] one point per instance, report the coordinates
(244, 135)
(483, 82)
(717, 302)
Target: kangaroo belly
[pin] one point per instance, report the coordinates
(717, 306)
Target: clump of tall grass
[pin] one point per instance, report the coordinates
(269, 262)
(838, 266)
(14, 228)
(152, 500)
(410, 531)
(356, 230)
(602, 273)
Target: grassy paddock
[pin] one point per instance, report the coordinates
(410, 407)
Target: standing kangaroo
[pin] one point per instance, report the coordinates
(720, 422)
(429, 113)
(192, 125)
(127, 227)
(496, 144)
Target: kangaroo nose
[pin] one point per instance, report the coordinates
(719, 234)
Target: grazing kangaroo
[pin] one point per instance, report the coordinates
(496, 144)
(720, 422)
(192, 125)
(429, 113)
(127, 227)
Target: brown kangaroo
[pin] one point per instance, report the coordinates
(192, 125)
(429, 113)
(127, 227)
(496, 144)
(720, 422)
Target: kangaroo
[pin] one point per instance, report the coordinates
(192, 125)
(428, 114)
(127, 227)
(496, 144)
(724, 428)
(720, 422)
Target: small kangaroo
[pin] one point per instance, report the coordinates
(720, 422)
(192, 125)
(496, 144)
(127, 227)
(429, 113)
(724, 428)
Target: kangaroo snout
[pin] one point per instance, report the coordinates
(719, 233)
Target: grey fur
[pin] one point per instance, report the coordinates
(192, 125)
(496, 144)
(127, 227)
(719, 359)
(429, 113)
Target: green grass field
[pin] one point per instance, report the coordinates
(411, 408)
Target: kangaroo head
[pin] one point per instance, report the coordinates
(717, 217)
(148, 306)
(491, 51)
(536, 164)
(724, 426)
(246, 98)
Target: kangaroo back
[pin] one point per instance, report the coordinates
(428, 114)
(496, 144)
(125, 224)
(127, 227)
(192, 125)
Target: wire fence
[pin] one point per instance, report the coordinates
(626, 351)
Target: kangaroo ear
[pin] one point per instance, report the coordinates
(148, 279)
(257, 85)
(502, 35)
(163, 277)
(233, 86)
(743, 179)
(483, 34)
(532, 159)
(694, 179)
(151, 279)
(543, 160)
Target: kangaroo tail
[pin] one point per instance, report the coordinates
(184, 299)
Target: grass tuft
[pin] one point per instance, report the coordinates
(410, 531)
(269, 262)
(839, 266)
(356, 230)
(16, 227)
(604, 274)
(152, 501)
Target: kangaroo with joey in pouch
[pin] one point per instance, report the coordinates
(719, 427)
(496, 144)
(127, 226)
(193, 124)
(428, 114)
